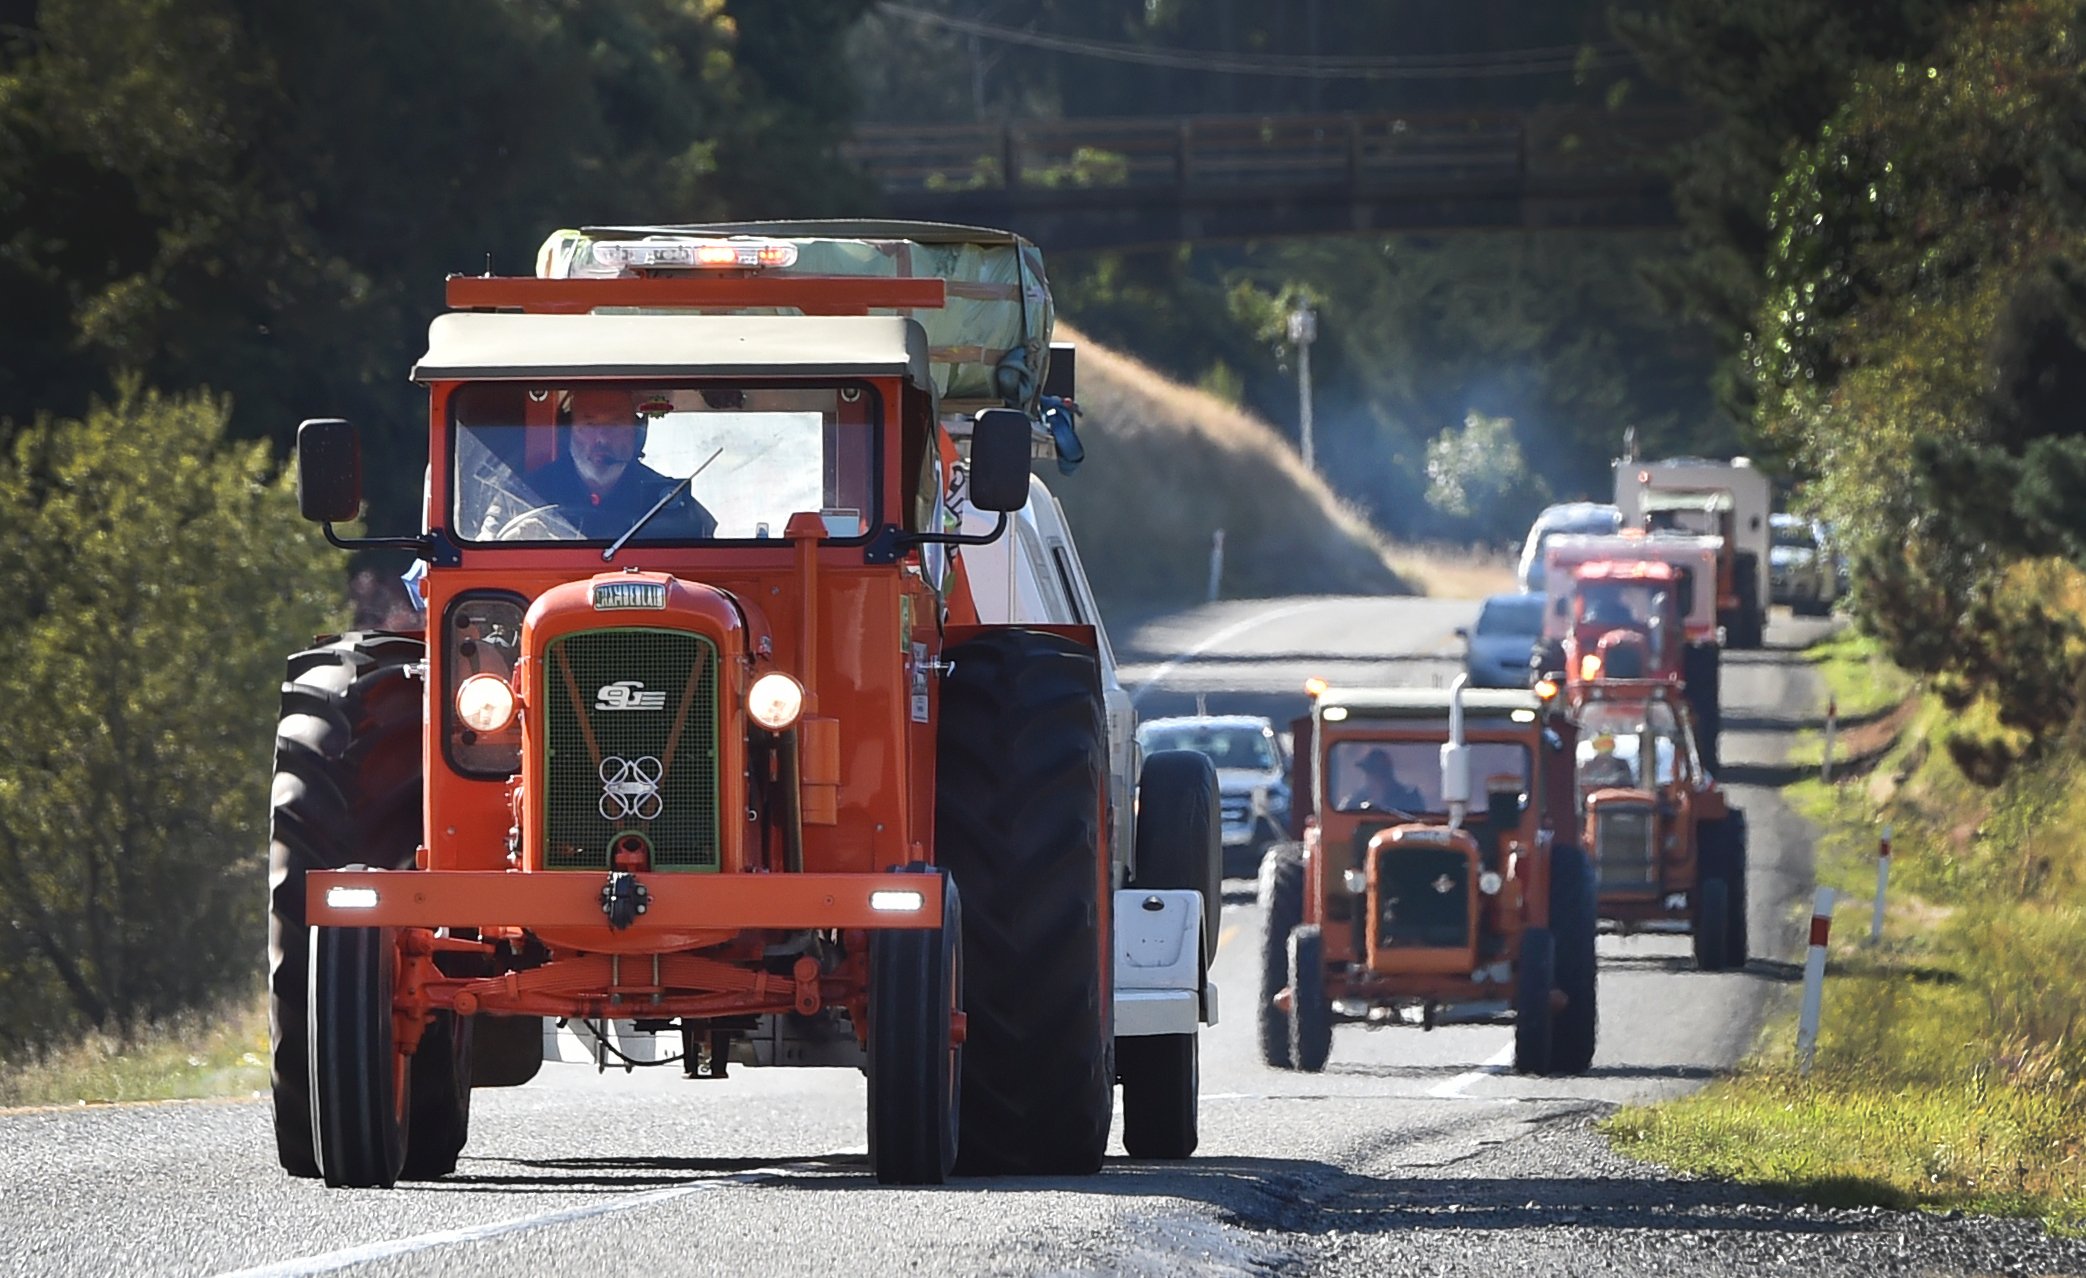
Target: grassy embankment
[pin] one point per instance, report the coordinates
(225, 1054)
(1949, 1067)
(1167, 465)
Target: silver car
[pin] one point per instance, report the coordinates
(1801, 571)
(1252, 778)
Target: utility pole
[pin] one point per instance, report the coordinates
(1303, 330)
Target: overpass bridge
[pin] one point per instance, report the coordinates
(1119, 183)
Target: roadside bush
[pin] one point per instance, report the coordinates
(155, 574)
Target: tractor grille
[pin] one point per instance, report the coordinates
(631, 731)
(1622, 848)
(1422, 897)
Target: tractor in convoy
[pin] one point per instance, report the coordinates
(1669, 851)
(1407, 903)
(1727, 500)
(738, 733)
(1627, 606)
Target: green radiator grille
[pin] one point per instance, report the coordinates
(630, 725)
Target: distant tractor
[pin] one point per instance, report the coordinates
(1646, 578)
(1407, 903)
(744, 763)
(1669, 851)
(1729, 500)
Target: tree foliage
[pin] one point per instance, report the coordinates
(265, 197)
(158, 571)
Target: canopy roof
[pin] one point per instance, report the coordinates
(497, 345)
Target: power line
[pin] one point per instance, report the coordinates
(1544, 61)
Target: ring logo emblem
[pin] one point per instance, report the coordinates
(628, 694)
(630, 788)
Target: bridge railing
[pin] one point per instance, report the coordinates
(1346, 150)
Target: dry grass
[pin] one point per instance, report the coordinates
(202, 1054)
(1451, 572)
(1168, 465)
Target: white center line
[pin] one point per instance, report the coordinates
(1502, 1062)
(385, 1249)
(1234, 629)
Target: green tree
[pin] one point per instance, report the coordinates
(1476, 474)
(159, 571)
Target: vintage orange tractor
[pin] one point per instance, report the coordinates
(1406, 903)
(1669, 851)
(1628, 605)
(708, 752)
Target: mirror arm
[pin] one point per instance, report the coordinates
(433, 547)
(911, 539)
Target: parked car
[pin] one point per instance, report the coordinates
(1497, 648)
(1801, 568)
(1252, 778)
(1596, 518)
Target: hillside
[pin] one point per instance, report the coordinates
(1167, 465)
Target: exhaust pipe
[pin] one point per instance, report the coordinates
(1455, 758)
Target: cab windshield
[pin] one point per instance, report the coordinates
(1405, 776)
(586, 462)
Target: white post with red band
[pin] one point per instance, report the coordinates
(1882, 884)
(1832, 722)
(1814, 980)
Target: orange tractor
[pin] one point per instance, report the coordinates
(1669, 851)
(1406, 903)
(705, 744)
(1633, 606)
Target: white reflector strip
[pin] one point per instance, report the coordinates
(896, 901)
(351, 898)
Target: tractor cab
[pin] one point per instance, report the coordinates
(1628, 621)
(1668, 851)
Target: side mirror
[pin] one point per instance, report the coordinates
(329, 470)
(1000, 460)
(1463, 633)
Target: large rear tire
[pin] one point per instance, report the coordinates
(1281, 910)
(1752, 615)
(1572, 924)
(1535, 975)
(1180, 843)
(1311, 1011)
(1724, 849)
(359, 1112)
(1022, 759)
(1712, 916)
(1701, 672)
(346, 791)
(915, 1068)
(1162, 1094)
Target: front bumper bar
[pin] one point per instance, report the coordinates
(568, 899)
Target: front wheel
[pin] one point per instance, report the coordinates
(915, 1067)
(1535, 976)
(1281, 910)
(1162, 1092)
(359, 1093)
(1310, 1010)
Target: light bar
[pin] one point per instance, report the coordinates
(896, 901)
(351, 898)
(677, 253)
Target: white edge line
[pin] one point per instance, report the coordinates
(1235, 628)
(365, 1253)
(1501, 1062)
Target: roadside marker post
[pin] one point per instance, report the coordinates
(1814, 980)
(1832, 720)
(1216, 562)
(1882, 884)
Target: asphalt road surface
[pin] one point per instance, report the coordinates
(1414, 1152)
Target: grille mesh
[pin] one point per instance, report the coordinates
(627, 688)
(1622, 846)
(1412, 906)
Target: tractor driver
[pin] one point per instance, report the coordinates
(1607, 604)
(1380, 787)
(599, 487)
(1606, 769)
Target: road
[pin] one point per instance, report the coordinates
(1414, 1152)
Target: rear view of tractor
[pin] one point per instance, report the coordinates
(715, 748)
(1726, 500)
(1669, 851)
(1406, 902)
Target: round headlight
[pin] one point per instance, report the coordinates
(775, 701)
(485, 703)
